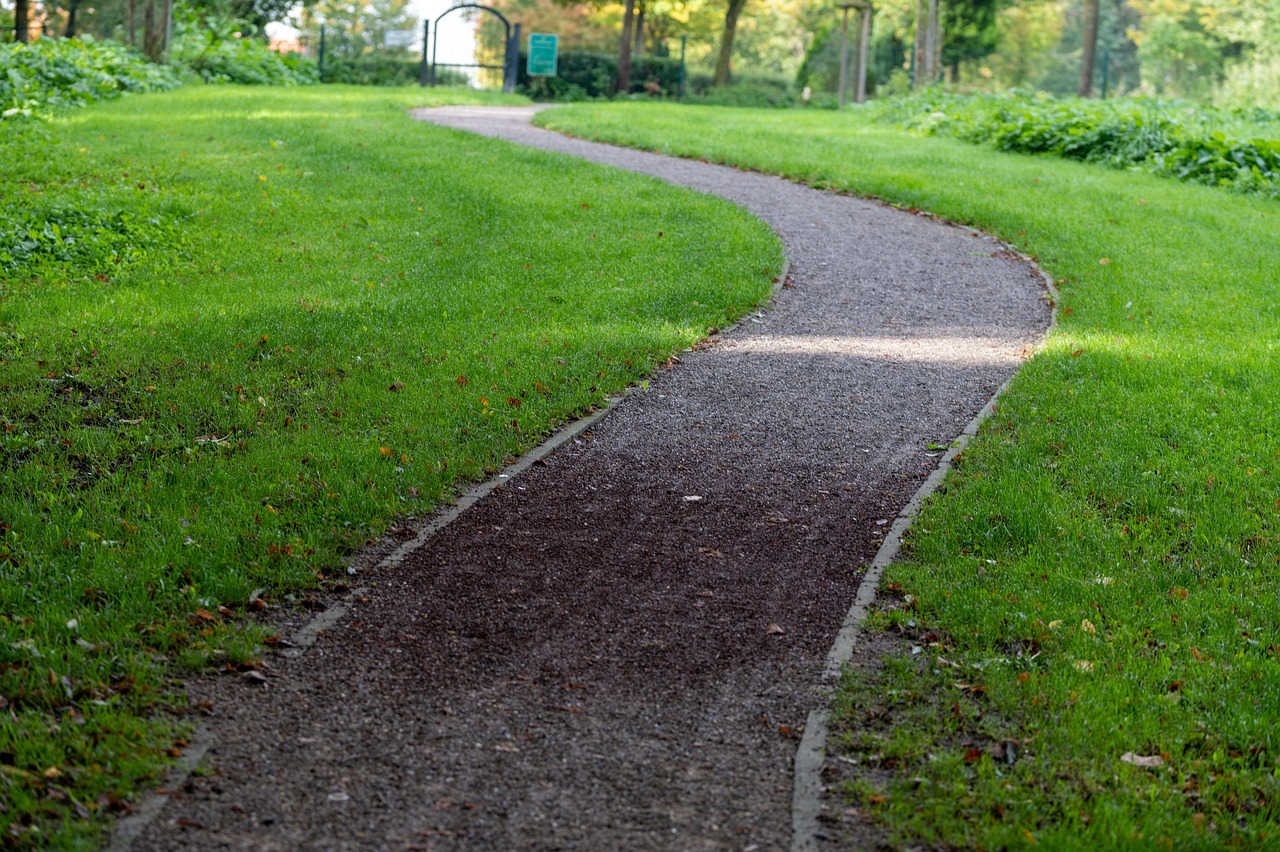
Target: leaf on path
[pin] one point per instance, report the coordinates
(510, 748)
(774, 629)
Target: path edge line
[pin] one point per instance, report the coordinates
(807, 788)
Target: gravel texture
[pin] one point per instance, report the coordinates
(617, 649)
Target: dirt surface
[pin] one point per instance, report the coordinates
(616, 649)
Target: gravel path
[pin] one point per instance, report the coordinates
(591, 658)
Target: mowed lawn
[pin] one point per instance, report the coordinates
(241, 332)
(1088, 614)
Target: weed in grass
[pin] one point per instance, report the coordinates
(1103, 558)
(318, 316)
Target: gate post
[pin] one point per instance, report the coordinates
(512, 62)
(426, 39)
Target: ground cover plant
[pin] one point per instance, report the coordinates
(52, 74)
(242, 331)
(1235, 149)
(1089, 605)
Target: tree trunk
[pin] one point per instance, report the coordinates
(130, 24)
(638, 48)
(70, 31)
(22, 20)
(726, 41)
(150, 38)
(1090, 47)
(624, 50)
(166, 23)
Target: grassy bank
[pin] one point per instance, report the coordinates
(1092, 603)
(241, 331)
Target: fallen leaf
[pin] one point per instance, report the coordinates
(1083, 666)
(507, 747)
(256, 677)
(203, 615)
(1087, 627)
(396, 386)
(1178, 594)
(1150, 761)
(774, 629)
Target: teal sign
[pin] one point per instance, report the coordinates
(544, 50)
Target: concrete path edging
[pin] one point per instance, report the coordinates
(808, 790)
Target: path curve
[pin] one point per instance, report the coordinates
(586, 659)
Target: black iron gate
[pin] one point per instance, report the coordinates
(510, 56)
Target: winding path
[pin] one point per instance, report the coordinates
(589, 658)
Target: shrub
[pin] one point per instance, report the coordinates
(582, 75)
(1163, 137)
(383, 70)
(49, 74)
(216, 58)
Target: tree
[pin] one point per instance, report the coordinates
(726, 40)
(970, 32)
(1090, 47)
(624, 48)
(21, 20)
(255, 13)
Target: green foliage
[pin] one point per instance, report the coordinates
(216, 50)
(581, 75)
(52, 74)
(1096, 582)
(98, 241)
(585, 76)
(1167, 138)
(267, 323)
(377, 69)
(250, 62)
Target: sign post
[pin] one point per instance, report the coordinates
(544, 52)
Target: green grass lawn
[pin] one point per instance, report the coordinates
(241, 331)
(1098, 577)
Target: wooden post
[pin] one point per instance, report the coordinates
(864, 44)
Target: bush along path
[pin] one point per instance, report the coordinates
(618, 648)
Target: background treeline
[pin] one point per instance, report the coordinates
(1226, 52)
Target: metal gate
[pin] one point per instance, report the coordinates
(510, 57)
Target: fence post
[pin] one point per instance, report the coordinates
(423, 73)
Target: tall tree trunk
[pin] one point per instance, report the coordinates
(130, 23)
(150, 38)
(22, 20)
(70, 31)
(166, 22)
(726, 40)
(624, 50)
(1090, 47)
(638, 48)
